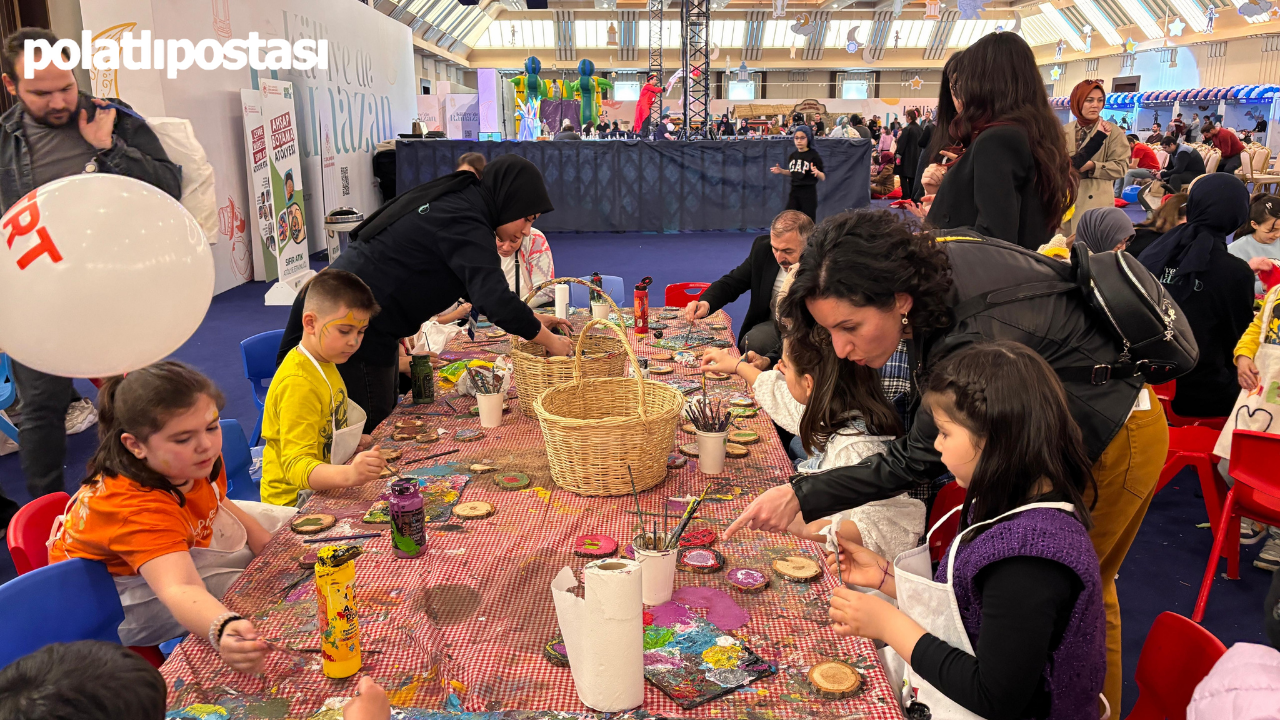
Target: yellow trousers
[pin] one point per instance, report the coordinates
(1126, 475)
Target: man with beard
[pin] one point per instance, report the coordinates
(50, 134)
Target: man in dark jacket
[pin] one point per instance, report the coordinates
(48, 135)
(761, 274)
(1185, 165)
(909, 153)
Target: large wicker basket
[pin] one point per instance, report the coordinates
(595, 428)
(605, 356)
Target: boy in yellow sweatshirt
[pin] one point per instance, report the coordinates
(310, 426)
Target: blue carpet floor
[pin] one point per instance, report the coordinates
(1162, 571)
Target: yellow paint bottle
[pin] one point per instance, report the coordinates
(336, 605)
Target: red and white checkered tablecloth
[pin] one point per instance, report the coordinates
(465, 623)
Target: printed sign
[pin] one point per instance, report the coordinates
(255, 145)
(462, 116)
(285, 167)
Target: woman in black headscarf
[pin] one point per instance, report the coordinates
(1213, 287)
(422, 251)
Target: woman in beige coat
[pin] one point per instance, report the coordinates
(1109, 159)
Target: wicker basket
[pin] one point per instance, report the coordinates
(595, 428)
(534, 372)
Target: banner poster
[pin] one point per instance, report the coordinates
(285, 166)
(255, 144)
(429, 112)
(462, 116)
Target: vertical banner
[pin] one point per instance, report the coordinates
(285, 164)
(332, 183)
(264, 223)
(487, 87)
(430, 113)
(462, 113)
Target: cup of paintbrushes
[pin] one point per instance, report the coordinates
(491, 406)
(657, 567)
(711, 451)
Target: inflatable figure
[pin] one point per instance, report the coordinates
(530, 86)
(587, 89)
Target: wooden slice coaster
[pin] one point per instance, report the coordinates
(700, 560)
(718, 326)
(717, 376)
(702, 537)
(390, 454)
(667, 316)
(747, 580)
(834, 680)
(797, 568)
(689, 450)
(689, 428)
(741, 412)
(429, 436)
(662, 356)
(496, 333)
(720, 344)
(511, 480)
(403, 437)
(379, 514)
(742, 401)
(409, 424)
(554, 652)
(734, 450)
(312, 524)
(468, 435)
(743, 437)
(477, 468)
(308, 561)
(675, 461)
(657, 326)
(594, 546)
(476, 510)
(661, 370)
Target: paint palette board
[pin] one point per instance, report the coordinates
(441, 487)
(694, 662)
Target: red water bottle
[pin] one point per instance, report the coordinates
(641, 304)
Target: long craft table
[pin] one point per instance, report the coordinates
(461, 629)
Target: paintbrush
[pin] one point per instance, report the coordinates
(360, 536)
(316, 649)
(442, 454)
(634, 493)
(293, 585)
(445, 400)
(674, 537)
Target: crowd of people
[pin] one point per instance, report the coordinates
(871, 339)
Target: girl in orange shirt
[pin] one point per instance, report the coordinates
(154, 510)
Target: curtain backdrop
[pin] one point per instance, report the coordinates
(662, 186)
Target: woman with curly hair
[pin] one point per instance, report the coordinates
(1013, 180)
(872, 282)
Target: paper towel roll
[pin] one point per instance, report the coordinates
(604, 633)
(562, 302)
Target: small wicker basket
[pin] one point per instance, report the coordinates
(534, 371)
(595, 428)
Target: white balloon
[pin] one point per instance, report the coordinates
(102, 274)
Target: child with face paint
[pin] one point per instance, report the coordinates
(310, 426)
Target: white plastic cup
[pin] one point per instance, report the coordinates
(562, 302)
(658, 571)
(600, 310)
(711, 449)
(491, 408)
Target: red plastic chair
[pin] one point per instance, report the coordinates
(1192, 446)
(29, 531)
(681, 294)
(1165, 393)
(1255, 495)
(1175, 658)
(949, 496)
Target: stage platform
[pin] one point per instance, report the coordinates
(659, 186)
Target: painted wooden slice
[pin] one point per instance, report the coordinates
(717, 376)
(675, 461)
(555, 653)
(734, 450)
(511, 480)
(379, 513)
(834, 680)
(661, 370)
(387, 471)
(594, 546)
(629, 551)
(700, 560)
(496, 333)
(429, 436)
(702, 537)
(743, 437)
(797, 568)
(309, 560)
(662, 356)
(741, 412)
(742, 401)
(390, 454)
(689, 450)
(657, 326)
(747, 580)
(312, 524)
(468, 435)
(403, 437)
(409, 424)
(667, 316)
(482, 324)
(718, 326)
(476, 510)
(689, 428)
(720, 343)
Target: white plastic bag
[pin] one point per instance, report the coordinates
(199, 196)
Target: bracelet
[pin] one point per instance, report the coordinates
(741, 360)
(218, 626)
(885, 576)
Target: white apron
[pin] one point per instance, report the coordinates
(1257, 409)
(346, 440)
(933, 606)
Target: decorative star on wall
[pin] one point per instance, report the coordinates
(1056, 72)
(1274, 12)
(916, 83)
(1176, 27)
(1130, 46)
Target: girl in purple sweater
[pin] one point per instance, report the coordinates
(1011, 625)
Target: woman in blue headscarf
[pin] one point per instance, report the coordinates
(1213, 288)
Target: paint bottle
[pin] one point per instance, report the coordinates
(641, 305)
(408, 519)
(424, 379)
(596, 295)
(336, 610)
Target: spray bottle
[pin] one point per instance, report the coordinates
(336, 606)
(641, 305)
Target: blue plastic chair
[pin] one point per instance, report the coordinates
(613, 287)
(67, 601)
(237, 459)
(8, 393)
(259, 353)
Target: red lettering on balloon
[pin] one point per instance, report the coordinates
(24, 219)
(44, 247)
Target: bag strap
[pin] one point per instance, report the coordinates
(983, 302)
